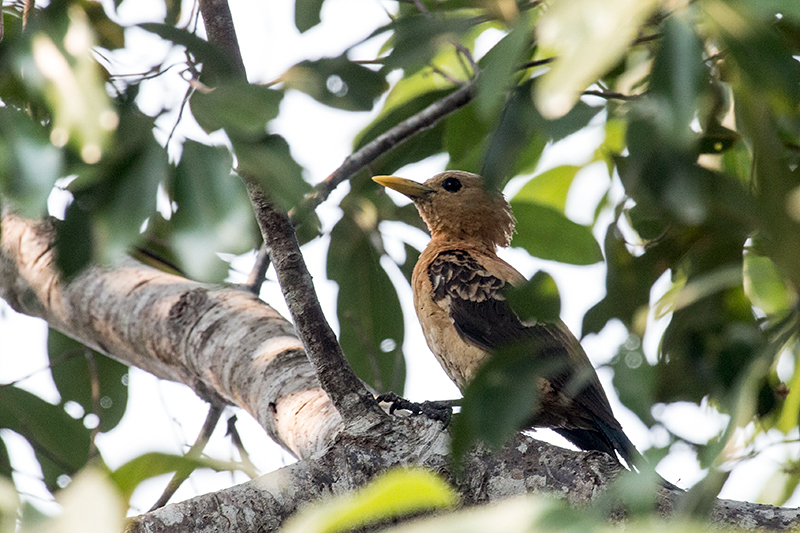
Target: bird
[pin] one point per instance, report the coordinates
(458, 284)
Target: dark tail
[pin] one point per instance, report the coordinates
(610, 440)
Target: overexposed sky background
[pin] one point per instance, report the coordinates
(164, 416)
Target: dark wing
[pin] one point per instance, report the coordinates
(482, 317)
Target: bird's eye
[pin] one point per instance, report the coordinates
(451, 184)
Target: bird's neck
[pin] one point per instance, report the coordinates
(440, 241)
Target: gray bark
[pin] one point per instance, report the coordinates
(231, 347)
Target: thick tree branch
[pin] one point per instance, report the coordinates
(525, 466)
(351, 398)
(224, 343)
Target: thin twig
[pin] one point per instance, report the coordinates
(212, 418)
(258, 274)
(52, 364)
(421, 7)
(233, 433)
(610, 95)
(184, 104)
(646, 38)
(362, 157)
(153, 73)
(27, 10)
(537, 63)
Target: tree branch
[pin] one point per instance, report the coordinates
(362, 157)
(350, 397)
(524, 466)
(221, 31)
(224, 343)
(348, 394)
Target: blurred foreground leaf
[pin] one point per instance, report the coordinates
(393, 494)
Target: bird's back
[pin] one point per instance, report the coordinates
(464, 316)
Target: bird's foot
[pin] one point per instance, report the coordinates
(441, 410)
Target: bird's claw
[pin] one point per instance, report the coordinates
(441, 411)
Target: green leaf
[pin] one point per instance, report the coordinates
(5, 463)
(11, 512)
(765, 286)
(678, 77)
(74, 377)
(547, 234)
(120, 193)
(337, 82)
(518, 140)
(790, 411)
(769, 8)
(306, 14)
(538, 299)
(635, 380)
(502, 397)
(108, 33)
(29, 163)
(418, 38)
(128, 476)
(393, 494)
(242, 109)
(516, 144)
(764, 60)
(269, 160)
(61, 443)
(711, 344)
(173, 14)
(781, 484)
(500, 69)
(74, 240)
(628, 281)
(549, 188)
(585, 50)
(717, 139)
(465, 139)
(369, 312)
(213, 211)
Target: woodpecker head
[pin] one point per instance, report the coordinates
(457, 205)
